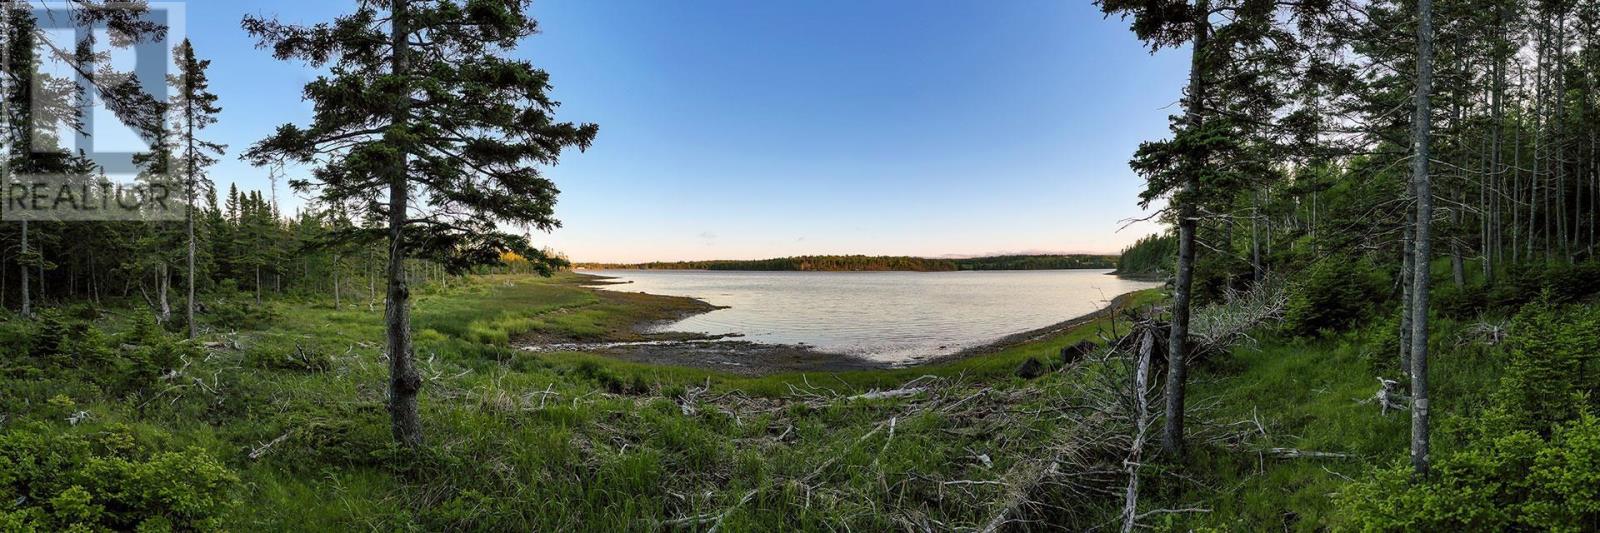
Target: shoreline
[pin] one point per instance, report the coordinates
(729, 354)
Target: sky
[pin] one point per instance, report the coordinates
(740, 129)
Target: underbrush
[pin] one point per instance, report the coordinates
(284, 428)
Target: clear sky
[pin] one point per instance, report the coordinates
(764, 128)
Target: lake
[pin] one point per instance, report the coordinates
(883, 316)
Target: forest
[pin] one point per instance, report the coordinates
(865, 263)
(1381, 308)
(1151, 256)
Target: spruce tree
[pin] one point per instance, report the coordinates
(194, 108)
(424, 119)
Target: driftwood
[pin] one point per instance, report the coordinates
(1141, 421)
(1388, 397)
(882, 395)
(715, 520)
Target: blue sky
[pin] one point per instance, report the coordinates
(757, 128)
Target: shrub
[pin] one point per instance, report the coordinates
(1513, 481)
(1544, 375)
(69, 349)
(146, 353)
(1335, 293)
(54, 481)
(1566, 284)
(1460, 302)
(301, 359)
(240, 313)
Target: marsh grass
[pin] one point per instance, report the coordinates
(572, 441)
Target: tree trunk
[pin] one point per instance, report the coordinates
(1255, 240)
(1177, 343)
(1419, 173)
(1492, 241)
(372, 283)
(163, 281)
(1407, 270)
(404, 381)
(27, 297)
(188, 223)
(336, 282)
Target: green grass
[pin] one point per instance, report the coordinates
(1312, 395)
(575, 441)
(566, 441)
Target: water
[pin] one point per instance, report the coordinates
(884, 316)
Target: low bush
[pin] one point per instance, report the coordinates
(240, 312)
(52, 481)
(1546, 380)
(1334, 295)
(300, 359)
(1515, 481)
(1566, 284)
(61, 346)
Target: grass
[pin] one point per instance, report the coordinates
(575, 441)
(1312, 395)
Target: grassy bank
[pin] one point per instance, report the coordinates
(276, 421)
(287, 405)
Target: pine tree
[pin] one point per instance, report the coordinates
(421, 102)
(1218, 143)
(195, 108)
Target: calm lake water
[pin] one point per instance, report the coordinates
(885, 316)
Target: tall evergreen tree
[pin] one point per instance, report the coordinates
(1218, 143)
(195, 108)
(422, 104)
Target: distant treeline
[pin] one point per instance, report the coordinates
(866, 263)
(1151, 256)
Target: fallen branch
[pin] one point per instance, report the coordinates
(883, 395)
(716, 519)
(261, 451)
(1140, 386)
(1291, 453)
(1173, 511)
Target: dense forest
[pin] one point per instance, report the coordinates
(1151, 257)
(1382, 309)
(876, 263)
(1409, 166)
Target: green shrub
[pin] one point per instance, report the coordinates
(148, 352)
(71, 350)
(1545, 374)
(610, 380)
(1335, 293)
(1460, 302)
(1515, 481)
(240, 313)
(52, 481)
(300, 359)
(1566, 284)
